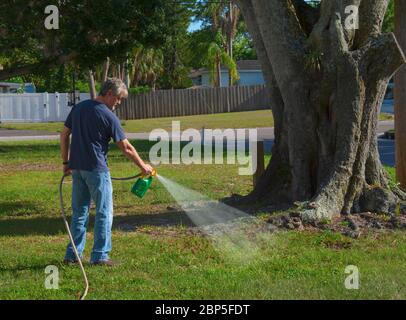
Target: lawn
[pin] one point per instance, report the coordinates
(251, 119)
(161, 257)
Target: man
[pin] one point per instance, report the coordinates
(92, 124)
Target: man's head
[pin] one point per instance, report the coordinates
(112, 91)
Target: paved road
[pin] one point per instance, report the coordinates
(386, 147)
(387, 106)
(386, 150)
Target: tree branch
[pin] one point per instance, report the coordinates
(31, 68)
(307, 14)
(371, 16)
(381, 56)
(282, 35)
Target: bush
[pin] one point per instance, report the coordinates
(139, 90)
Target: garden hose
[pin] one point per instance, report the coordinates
(82, 297)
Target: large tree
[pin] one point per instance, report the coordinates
(326, 83)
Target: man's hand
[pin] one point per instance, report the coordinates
(66, 170)
(147, 170)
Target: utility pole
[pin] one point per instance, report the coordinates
(400, 96)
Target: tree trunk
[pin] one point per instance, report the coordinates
(127, 74)
(327, 84)
(400, 97)
(92, 85)
(218, 73)
(119, 71)
(231, 30)
(106, 67)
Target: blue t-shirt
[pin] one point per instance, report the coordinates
(93, 124)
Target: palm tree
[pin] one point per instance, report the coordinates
(146, 65)
(224, 17)
(216, 57)
(231, 26)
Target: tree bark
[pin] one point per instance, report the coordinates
(92, 85)
(327, 84)
(400, 97)
(218, 73)
(106, 67)
(126, 74)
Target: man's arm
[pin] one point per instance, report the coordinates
(129, 151)
(65, 142)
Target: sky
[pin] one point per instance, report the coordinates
(195, 25)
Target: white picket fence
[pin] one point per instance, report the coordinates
(35, 107)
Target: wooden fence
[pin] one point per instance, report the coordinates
(184, 102)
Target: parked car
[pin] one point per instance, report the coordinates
(10, 87)
(388, 103)
(389, 90)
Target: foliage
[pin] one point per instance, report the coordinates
(222, 17)
(89, 32)
(146, 65)
(199, 42)
(139, 90)
(175, 48)
(389, 22)
(217, 55)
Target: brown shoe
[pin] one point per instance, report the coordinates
(73, 262)
(69, 262)
(106, 263)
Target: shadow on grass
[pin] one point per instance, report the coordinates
(54, 225)
(19, 208)
(31, 267)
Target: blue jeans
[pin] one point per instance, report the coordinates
(94, 185)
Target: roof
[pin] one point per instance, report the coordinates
(242, 65)
(248, 65)
(10, 84)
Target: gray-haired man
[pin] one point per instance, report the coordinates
(92, 124)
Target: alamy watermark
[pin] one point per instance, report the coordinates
(52, 277)
(240, 147)
(52, 20)
(351, 17)
(351, 282)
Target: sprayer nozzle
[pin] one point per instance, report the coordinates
(154, 173)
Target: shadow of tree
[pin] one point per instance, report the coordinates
(54, 225)
(20, 208)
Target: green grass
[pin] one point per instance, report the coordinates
(386, 116)
(248, 119)
(161, 258)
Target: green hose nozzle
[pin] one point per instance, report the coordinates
(142, 185)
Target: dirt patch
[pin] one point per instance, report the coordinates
(29, 167)
(353, 226)
(13, 132)
(174, 222)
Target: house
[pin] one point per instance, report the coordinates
(250, 73)
(9, 87)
